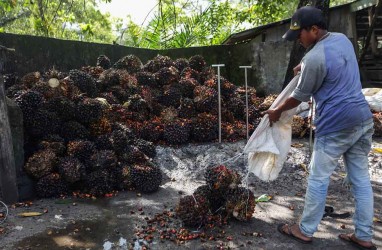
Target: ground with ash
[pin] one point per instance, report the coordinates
(130, 220)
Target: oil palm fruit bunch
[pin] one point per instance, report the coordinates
(131, 63)
(227, 88)
(215, 199)
(51, 185)
(197, 63)
(103, 159)
(237, 107)
(41, 122)
(177, 132)
(109, 78)
(109, 97)
(181, 63)
(73, 130)
(205, 128)
(188, 73)
(187, 86)
(267, 102)
(29, 101)
(206, 99)
(127, 182)
(166, 76)
(222, 179)
(100, 127)
(254, 115)
(15, 91)
(89, 110)
(95, 72)
(298, 126)
(71, 169)
(186, 108)
(128, 82)
(163, 61)
(103, 62)
(120, 93)
(171, 96)
(57, 147)
(30, 79)
(84, 82)
(63, 107)
(377, 117)
(147, 147)
(146, 177)
(9, 80)
(193, 210)
(103, 142)
(98, 183)
(41, 163)
(240, 203)
(137, 104)
(152, 130)
(146, 79)
(81, 149)
(132, 154)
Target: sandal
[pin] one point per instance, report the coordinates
(291, 235)
(353, 241)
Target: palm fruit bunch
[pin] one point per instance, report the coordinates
(84, 82)
(227, 88)
(63, 107)
(9, 80)
(147, 147)
(146, 177)
(120, 93)
(222, 179)
(109, 97)
(152, 130)
(98, 183)
(254, 115)
(215, 199)
(193, 210)
(103, 62)
(206, 99)
(237, 107)
(187, 86)
(266, 104)
(30, 79)
(93, 71)
(197, 63)
(73, 130)
(166, 76)
(81, 149)
(186, 108)
(89, 110)
(103, 159)
(171, 96)
(41, 163)
(146, 79)
(109, 78)
(29, 101)
(234, 131)
(137, 104)
(128, 82)
(177, 132)
(41, 122)
(15, 91)
(71, 169)
(181, 63)
(189, 73)
(51, 185)
(298, 126)
(56, 146)
(100, 127)
(240, 203)
(132, 154)
(205, 128)
(131, 63)
(377, 117)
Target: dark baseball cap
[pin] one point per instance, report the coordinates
(304, 17)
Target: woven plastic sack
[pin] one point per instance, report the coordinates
(268, 147)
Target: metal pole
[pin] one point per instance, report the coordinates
(311, 127)
(219, 101)
(246, 95)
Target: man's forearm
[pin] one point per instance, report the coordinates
(289, 103)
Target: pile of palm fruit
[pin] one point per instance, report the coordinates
(221, 197)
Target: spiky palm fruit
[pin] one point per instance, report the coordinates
(166, 76)
(30, 79)
(127, 181)
(205, 128)
(51, 186)
(234, 131)
(151, 66)
(253, 99)
(73, 130)
(207, 73)
(120, 93)
(103, 62)
(188, 73)
(222, 179)
(103, 159)
(41, 163)
(129, 83)
(148, 148)
(171, 96)
(132, 154)
(95, 72)
(109, 97)
(131, 63)
(48, 91)
(197, 63)
(193, 210)
(227, 115)
(240, 203)
(103, 142)
(237, 107)
(84, 82)
(298, 126)
(216, 200)
(146, 177)
(169, 114)
(177, 132)
(377, 117)
(254, 115)
(267, 102)
(63, 107)
(181, 63)
(81, 149)
(89, 110)
(15, 90)
(71, 169)
(226, 87)
(152, 130)
(146, 79)
(206, 99)
(100, 127)
(9, 80)
(98, 183)
(41, 122)
(109, 78)
(158, 62)
(187, 86)
(137, 104)
(186, 108)
(57, 147)
(30, 101)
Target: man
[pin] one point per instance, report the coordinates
(344, 125)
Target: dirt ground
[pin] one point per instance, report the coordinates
(112, 223)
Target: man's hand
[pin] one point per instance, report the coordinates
(273, 115)
(297, 69)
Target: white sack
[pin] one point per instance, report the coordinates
(373, 97)
(268, 147)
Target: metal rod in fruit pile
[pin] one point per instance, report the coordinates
(246, 95)
(219, 101)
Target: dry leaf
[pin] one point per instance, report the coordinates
(30, 214)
